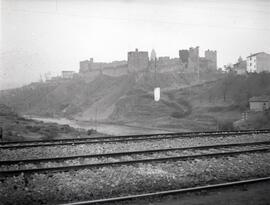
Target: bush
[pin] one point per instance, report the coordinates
(91, 131)
(222, 108)
(225, 125)
(32, 128)
(178, 114)
(261, 121)
(49, 132)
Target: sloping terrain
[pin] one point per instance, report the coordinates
(17, 128)
(139, 105)
(105, 96)
(129, 99)
(89, 100)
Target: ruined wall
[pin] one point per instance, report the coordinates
(115, 71)
(90, 65)
(167, 65)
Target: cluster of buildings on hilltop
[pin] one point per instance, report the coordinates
(138, 61)
(189, 61)
(257, 62)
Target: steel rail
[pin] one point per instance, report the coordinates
(117, 139)
(134, 136)
(127, 162)
(115, 154)
(172, 192)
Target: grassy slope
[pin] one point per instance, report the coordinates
(129, 99)
(17, 128)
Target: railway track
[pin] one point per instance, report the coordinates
(126, 138)
(146, 156)
(160, 194)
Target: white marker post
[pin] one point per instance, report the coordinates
(157, 94)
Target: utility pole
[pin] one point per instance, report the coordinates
(155, 77)
(156, 88)
(96, 118)
(198, 69)
(1, 134)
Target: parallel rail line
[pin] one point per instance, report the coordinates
(127, 162)
(172, 192)
(129, 153)
(109, 139)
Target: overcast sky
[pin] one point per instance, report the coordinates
(39, 36)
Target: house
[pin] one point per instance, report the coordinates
(259, 103)
(240, 67)
(258, 62)
(66, 74)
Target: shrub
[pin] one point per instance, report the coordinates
(178, 114)
(225, 125)
(91, 131)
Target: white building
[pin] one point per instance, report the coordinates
(259, 103)
(258, 62)
(66, 74)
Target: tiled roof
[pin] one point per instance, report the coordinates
(260, 99)
(255, 54)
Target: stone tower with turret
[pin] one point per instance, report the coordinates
(193, 59)
(211, 56)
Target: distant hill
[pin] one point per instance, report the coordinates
(101, 98)
(185, 103)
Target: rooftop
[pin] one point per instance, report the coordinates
(255, 54)
(260, 99)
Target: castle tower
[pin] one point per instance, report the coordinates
(137, 60)
(212, 57)
(193, 59)
(86, 65)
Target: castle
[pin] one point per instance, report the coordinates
(192, 62)
(188, 61)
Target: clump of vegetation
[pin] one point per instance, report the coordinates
(184, 110)
(260, 121)
(239, 88)
(178, 114)
(17, 128)
(91, 131)
(225, 125)
(222, 108)
(6, 111)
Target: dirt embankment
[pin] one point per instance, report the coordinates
(17, 128)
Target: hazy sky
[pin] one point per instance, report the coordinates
(39, 36)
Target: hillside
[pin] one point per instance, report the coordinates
(185, 103)
(71, 98)
(82, 99)
(18, 128)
